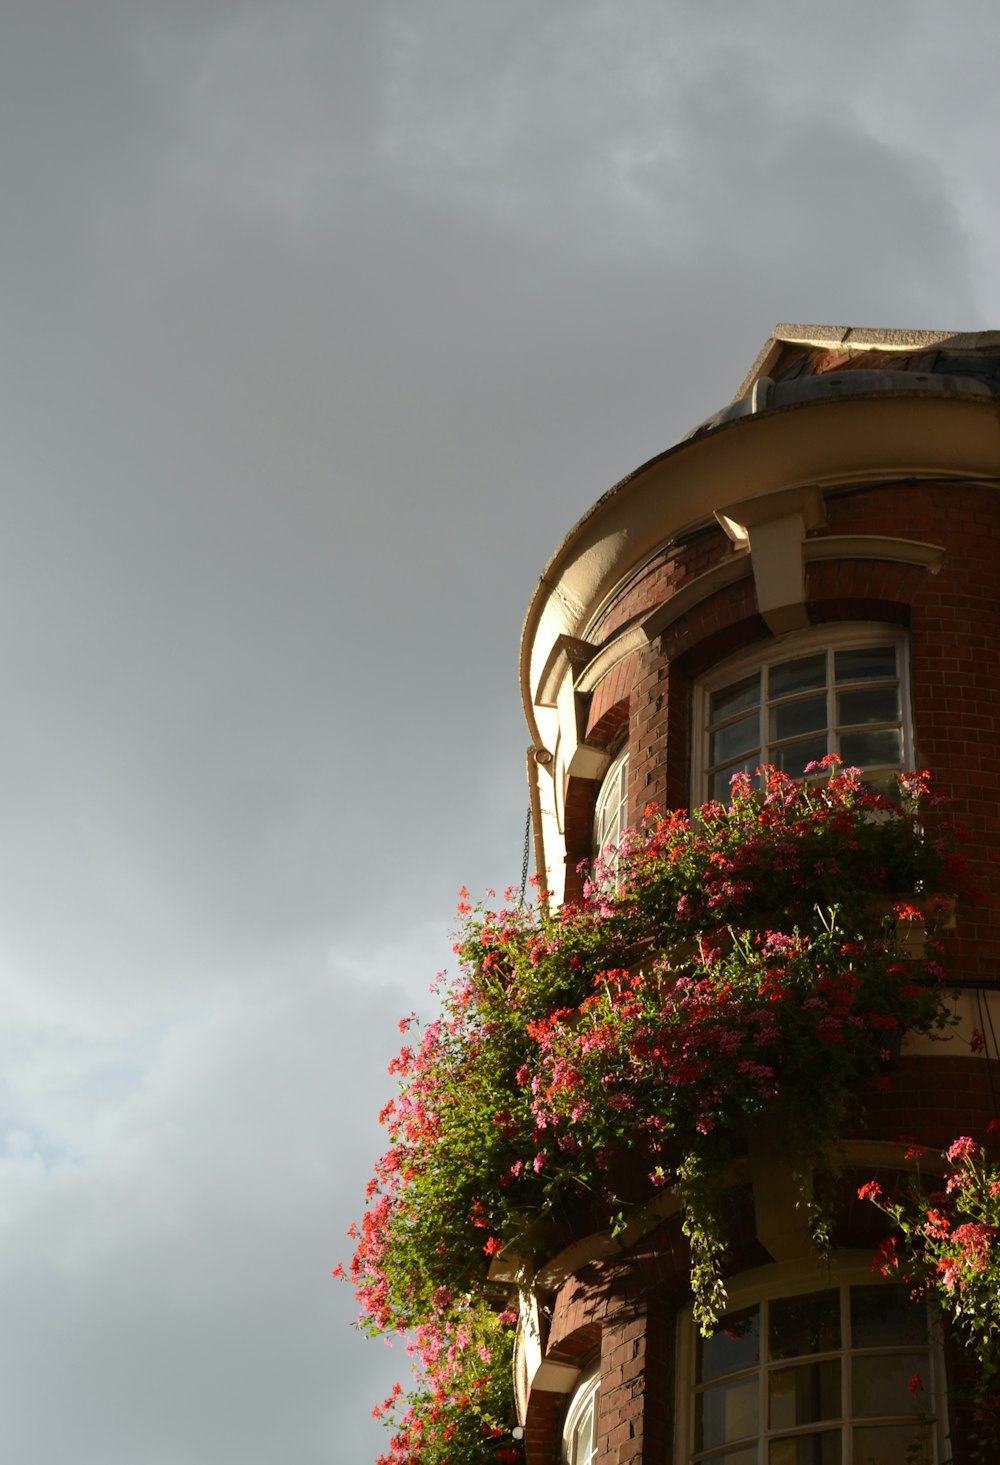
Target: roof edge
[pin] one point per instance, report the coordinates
(859, 338)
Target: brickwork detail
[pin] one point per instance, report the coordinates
(609, 703)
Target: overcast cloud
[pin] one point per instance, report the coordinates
(322, 323)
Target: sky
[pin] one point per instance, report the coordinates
(322, 323)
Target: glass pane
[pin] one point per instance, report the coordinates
(797, 676)
(870, 749)
(584, 1438)
(793, 757)
(892, 1444)
(720, 781)
(733, 1347)
(875, 704)
(809, 1449)
(736, 698)
(736, 739)
(806, 1324)
(611, 807)
(886, 1316)
(746, 1456)
(805, 1394)
(880, 1383)
(726, 1412)
(805, 715)
(869, 662)
(886, 784)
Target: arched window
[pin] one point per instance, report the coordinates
(611, 812)
(580, 1429)
(840, 689)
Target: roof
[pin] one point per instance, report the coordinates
(799, 364)
(795, 350)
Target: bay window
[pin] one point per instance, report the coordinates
(840, 1374)
(839, 689)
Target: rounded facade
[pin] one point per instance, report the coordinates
(815, 570)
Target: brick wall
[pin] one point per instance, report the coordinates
(954, 626)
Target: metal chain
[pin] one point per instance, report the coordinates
(524, 862)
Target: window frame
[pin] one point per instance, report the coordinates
(788, 1280)
(607, 793)
(827, 637)
(583, 1402)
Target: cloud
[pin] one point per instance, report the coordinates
(169, 1284)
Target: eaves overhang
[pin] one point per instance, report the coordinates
(870, 438)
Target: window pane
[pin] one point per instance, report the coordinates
(880, 704)
(583, 1439)
(797, 676)
(870, 749)
(880, 1383)
(805, 1394)
(734, 1346)
(810, 1449)
(726, 1412)
(793, 757)
(886, 1316)
(736, 739)
(865, 663)
(728, 701)
(806, 1324)
(612, 805)
(891, 1444)
(805, 715)
(720, 781)
(745, 1456)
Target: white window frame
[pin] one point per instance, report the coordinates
(838, 636)
(583, 1406)
(611, 808)
(785, 1280)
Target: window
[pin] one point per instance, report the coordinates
(580, 1429)
(842, 690)
(611, 813)
(840, 1375)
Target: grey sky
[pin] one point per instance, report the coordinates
(322, 323)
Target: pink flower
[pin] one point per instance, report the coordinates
(963, 1148)
(936, 1226)
(974, 1238)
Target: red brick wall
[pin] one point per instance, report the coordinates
(954, 622)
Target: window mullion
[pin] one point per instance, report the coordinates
(846, 1378)
(763, 1448)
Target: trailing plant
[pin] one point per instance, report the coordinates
(586, 1056)
(943, 1243)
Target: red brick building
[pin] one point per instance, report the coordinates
(814, 569)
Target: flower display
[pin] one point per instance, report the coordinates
(943, 1244)
(721, 964)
